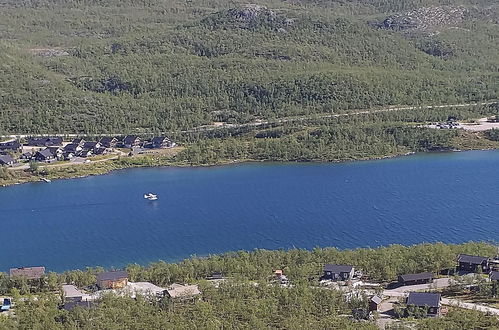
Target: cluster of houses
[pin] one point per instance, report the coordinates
(50, 149)
(429, 301)
(111, 282)
(117, 282)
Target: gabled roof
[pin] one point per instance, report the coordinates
(474, 260)
(107, 140)
(338, 268)
(130, 139)
(28, 272)
(494, 276)
(71, 147)
(11, 145)
(416, 277)
(376, 299)
(6, 159)
(112, 276)
(78, 141)
(90, 145)
(46, 153)
(159, 139)
(422, 299)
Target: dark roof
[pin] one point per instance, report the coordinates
(337, 268)
(494, 276)
(71, 147)
(11, 145)
(99, 151)
(474, 260)
(6, 159)
(130, 139)
(45, 153)
(159, 139)
(78, 141)
(112, 276)
(28, 272)
(421, 299)
(107, 139)
(45, 141)
(89, 145)
(416, 277)
(69, 306)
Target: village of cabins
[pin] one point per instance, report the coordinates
(53, 149)
(415, 289)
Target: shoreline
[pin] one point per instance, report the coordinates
(144, 164)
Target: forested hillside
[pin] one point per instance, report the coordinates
(95, 66)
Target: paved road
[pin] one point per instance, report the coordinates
(403, 290)
(467, 305)
(206, 128)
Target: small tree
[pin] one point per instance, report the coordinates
(33, 166)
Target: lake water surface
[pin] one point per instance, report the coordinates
(105, 220)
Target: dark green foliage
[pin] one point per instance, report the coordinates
(151, 66)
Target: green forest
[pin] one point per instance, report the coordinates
(247, 300)
(149, 66)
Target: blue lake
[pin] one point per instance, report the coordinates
(104, 220)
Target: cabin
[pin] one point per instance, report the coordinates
(100, 151)
(469, 263)
(131, 141)
(112, 280)
(374, 303)
(428, 300)
(108, 142)
(6, 160)
(215, 276)
(338, 272)
(13, 146)
(160, 142)
(30, 273)
(91, 145)
(78, 141)
(45, 142)
(413, 279)
(44, 155)
(180, 292)
(72, 148)
(56, 151)
(71, 293)
(26, 156)
(494, 276)
(84, 153)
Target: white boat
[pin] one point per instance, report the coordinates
(151, 196)
(46, 180)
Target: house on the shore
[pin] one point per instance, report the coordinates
(72, 148)
(178, 292)
(108, 142)
(45, 155)
(71, 293)
(469, 263)
(6, 160)
(78, 141)
(160, 142)
(112, 280)
(30, 273)
(13, 146)
(26, 156)
(131, 141)
(430, 301)
(45, 141)
(413, 279)
(338, 272)
(91, 145)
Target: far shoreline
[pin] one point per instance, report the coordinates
(39, 178)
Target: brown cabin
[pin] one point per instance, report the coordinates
(112, 280)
